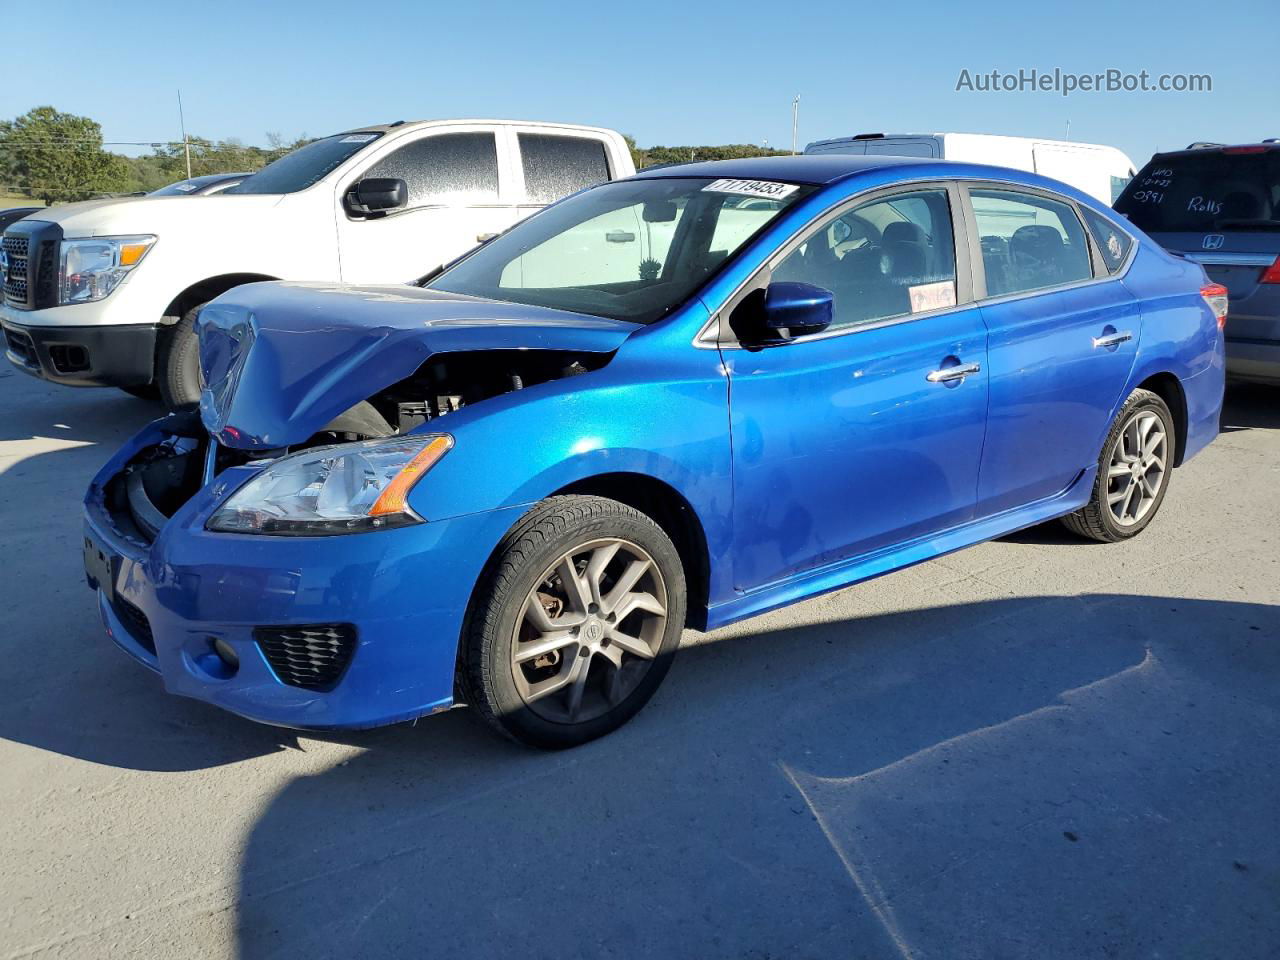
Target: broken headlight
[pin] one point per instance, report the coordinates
(344, 488)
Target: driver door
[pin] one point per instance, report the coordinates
(858, 438)
(459, 193)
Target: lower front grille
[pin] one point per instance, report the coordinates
(312, 657)
(136, 622)
(22, 347)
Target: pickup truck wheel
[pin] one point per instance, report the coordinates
(178, 363)
(1133, 472)
(574, 623)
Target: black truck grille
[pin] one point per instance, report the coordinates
(312, 657)
(31, 249)
(15, 279)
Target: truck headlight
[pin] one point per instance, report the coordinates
(91, 268)
(345, 488)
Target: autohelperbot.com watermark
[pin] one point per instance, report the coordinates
(1066, 82)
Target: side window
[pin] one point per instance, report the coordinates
(556, 166)
(450, 168)
(1028, 242)
(1113, 242)
(886, 258)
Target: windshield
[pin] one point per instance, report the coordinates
(306, 165)
(1206, 191)
(631, 250)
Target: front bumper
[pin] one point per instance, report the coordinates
(404, 590)
(120, 355)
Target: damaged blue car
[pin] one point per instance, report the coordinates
(675, 400)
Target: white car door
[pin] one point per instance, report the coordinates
(460, 192)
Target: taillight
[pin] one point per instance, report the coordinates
(1215, 295)
(1272, 273)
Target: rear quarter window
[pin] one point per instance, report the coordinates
(1205, 191)
(1112, 242)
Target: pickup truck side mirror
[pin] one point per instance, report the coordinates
(782, 311)
(377, 195)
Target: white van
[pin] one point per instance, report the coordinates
(1098, 170)
(105, 293)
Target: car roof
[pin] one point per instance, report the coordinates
(817, 169)
(824, 169)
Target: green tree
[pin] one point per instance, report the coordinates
(223, 156)
(726, 151)
(58, 156)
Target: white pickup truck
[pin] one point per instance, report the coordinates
(105, 293)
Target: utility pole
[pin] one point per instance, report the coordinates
(186, 144)
(795, 116)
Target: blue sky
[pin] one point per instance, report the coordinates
(663, 72)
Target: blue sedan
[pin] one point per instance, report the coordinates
(675, 400)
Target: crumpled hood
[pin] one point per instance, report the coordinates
(282, 360)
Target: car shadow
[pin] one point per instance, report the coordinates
(870, 787)
(69, 689)
(1250, 406)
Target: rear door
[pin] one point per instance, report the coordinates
(1062, 336)
(1222, 208)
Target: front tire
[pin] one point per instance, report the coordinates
(1133, 472)
(574, 623)
(178, 363)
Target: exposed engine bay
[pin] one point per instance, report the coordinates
(161, 478)
(448, 382)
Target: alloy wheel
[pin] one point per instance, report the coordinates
(1138, 468)
(589, 630)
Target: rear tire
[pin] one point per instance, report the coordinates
(178, 363)
(1133, 472)
(553, 665)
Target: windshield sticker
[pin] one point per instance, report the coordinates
(184, 187)
(768, 189)
(932, 296)
(359, 138)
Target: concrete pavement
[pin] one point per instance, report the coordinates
(1035, 748)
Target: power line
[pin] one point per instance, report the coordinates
(67, 141)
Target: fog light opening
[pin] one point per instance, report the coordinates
(225, 652)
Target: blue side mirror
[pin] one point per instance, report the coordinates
(794, 309)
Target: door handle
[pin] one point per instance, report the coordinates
(1112, 339)
(958, 372)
